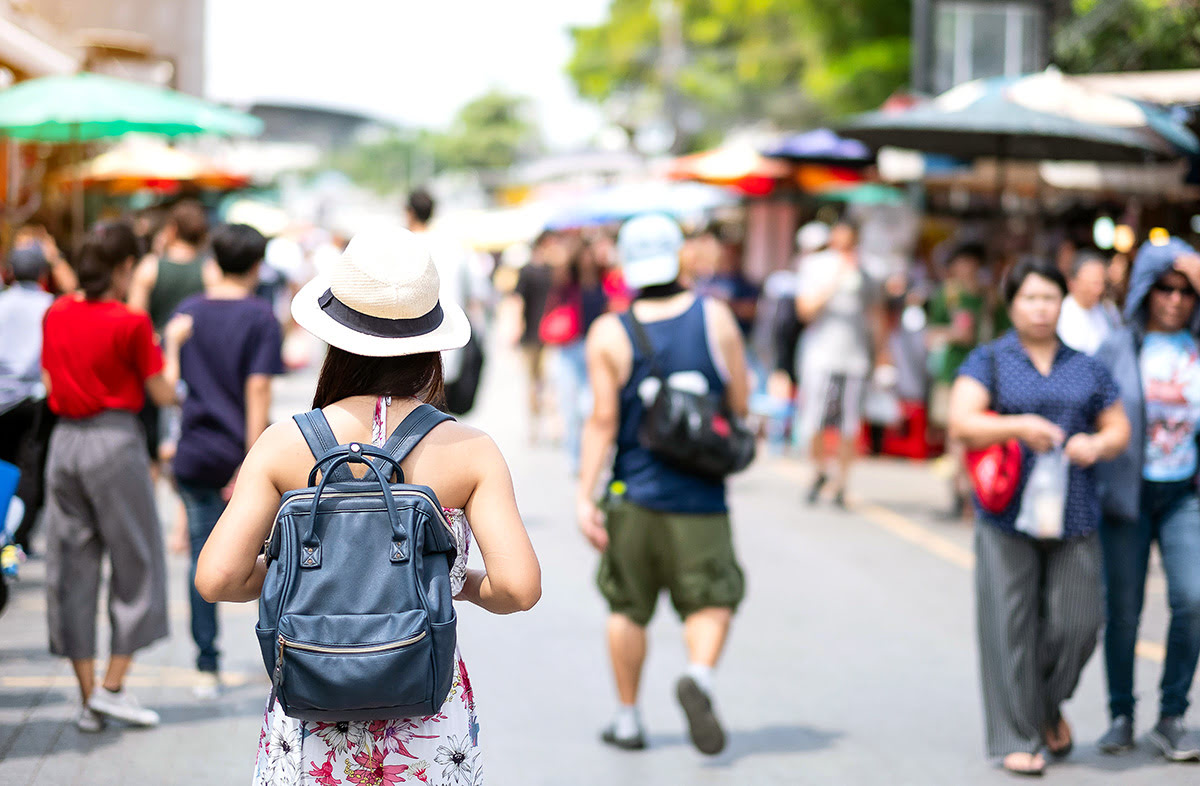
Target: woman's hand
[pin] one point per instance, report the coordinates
(1038, 433)
(1083, 450)
(591, 523)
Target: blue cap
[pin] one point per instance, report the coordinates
(648, 247)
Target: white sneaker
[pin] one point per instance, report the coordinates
(123, 706)
(208, 686)
(88, 720)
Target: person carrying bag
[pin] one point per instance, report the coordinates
(1037, 558)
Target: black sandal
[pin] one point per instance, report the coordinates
(1032, 772)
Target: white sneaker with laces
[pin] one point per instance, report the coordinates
(208, 686)
(122, 706)
(88, 720)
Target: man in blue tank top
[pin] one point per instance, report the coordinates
(659, 528)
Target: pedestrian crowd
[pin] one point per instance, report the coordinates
(1067, 391)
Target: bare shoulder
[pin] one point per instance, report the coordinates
(146, 271)
(470, 445)
(605, 330)
(720, 317)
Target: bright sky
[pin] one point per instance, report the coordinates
(414, 62)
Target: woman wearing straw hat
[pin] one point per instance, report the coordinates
(378, 309)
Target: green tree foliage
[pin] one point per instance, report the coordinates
(490, 132)
(1129, 35)
(391, 163)
(791, 61)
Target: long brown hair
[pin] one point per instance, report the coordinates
(345, 374)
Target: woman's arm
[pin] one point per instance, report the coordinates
(511, 579)
(163, 386)
(230, 567)
(971, 424)
(1109, 441)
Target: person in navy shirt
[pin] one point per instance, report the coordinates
(227, 364)
(1038, 601)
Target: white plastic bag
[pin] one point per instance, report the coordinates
(1044, 500)
(881, 404)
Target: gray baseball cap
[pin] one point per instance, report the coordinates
(27, 263)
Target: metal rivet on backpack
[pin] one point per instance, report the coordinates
(355, 447)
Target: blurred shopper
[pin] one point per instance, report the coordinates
(25, 420)
(460, 285)
(576, 301)
(960, 315)
(721, 278)
(379, 368)
(99, 358)
(1087, 318)
(534, 283)
(660, 528)
(173, 272)
(227, 364)
(1038, 600)
(840, 307)
(1149, 493)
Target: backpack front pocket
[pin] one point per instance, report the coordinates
(354, 663)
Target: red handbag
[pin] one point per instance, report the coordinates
(995, 473)
(561, 324)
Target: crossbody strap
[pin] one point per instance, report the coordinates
(642, 339)
(994, 386)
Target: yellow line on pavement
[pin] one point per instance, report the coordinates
(145, 677)
(906, 529)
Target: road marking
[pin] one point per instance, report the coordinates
(140, 677)
(921, 536)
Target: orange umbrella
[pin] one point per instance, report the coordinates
(742, 168)
(817, 178)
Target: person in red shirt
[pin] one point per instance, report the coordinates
(99, 359)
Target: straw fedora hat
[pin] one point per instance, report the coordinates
(381, 300)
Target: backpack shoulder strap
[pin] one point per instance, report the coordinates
(316, 431)
(412, 430)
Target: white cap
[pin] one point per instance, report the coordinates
(648, 247)
(813, 236)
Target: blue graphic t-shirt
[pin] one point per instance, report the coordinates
(1170, 364)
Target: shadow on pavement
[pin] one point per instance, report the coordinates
(1144, 757)
(32, 697)
(768, 739)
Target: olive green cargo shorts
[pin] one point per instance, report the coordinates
(691, 555)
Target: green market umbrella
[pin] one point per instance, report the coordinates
(864, 194)
(85, 107)
(1041, 116)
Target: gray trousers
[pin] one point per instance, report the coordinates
(1039, 608)
(99, 499)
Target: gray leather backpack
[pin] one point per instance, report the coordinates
(356, 619)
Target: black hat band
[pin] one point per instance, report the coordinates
(378, 326)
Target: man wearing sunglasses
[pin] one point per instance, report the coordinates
(1148, 493)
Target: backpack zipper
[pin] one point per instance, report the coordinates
(351, 650)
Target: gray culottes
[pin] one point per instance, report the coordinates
(1039, 605)
(99, 500)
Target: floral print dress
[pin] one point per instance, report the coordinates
(438, 750)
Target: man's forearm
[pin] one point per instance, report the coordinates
(597, 442)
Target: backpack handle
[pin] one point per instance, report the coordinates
(354, 453)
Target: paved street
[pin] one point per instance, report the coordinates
(852, 661)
